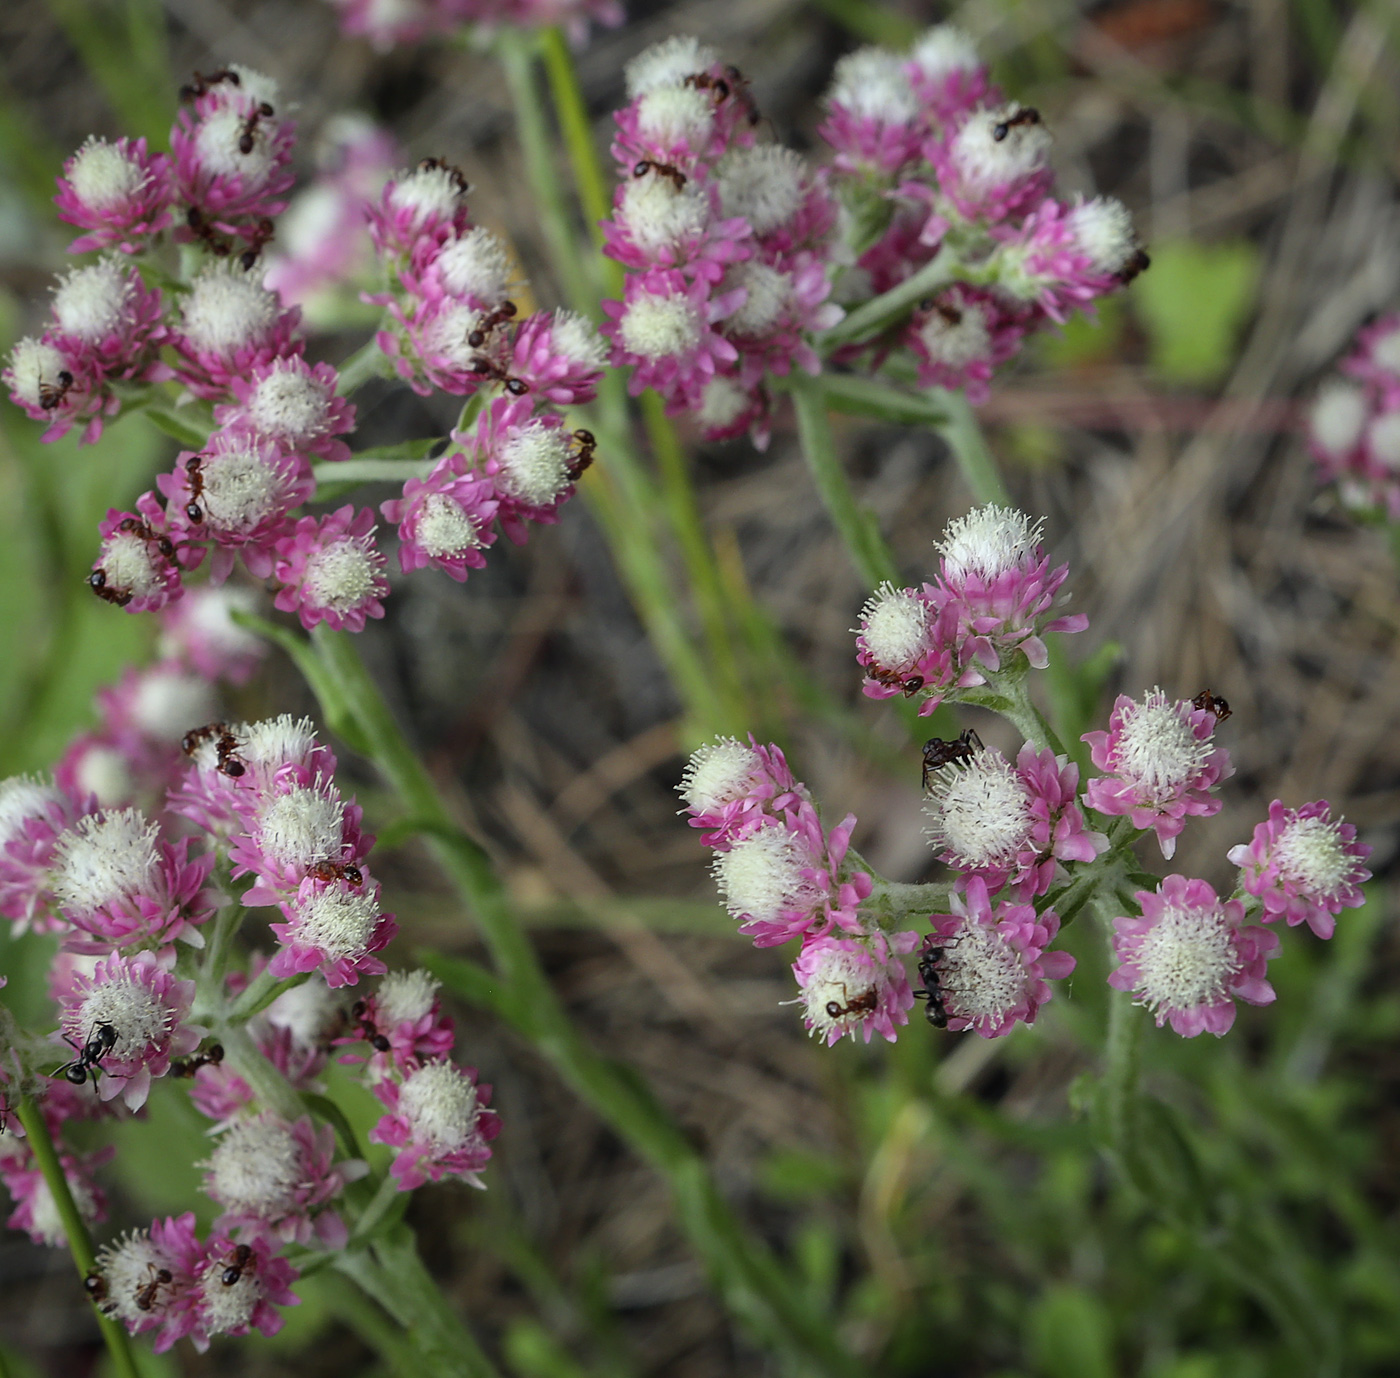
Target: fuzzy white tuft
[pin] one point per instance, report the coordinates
(988, 542)
(91, 303)
(668, 63)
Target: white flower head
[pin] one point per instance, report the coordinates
(762, 875)
(576, 337)
(840, 980)
(654, 326)
(943, 50)
(91, 302)
(658, 216)
(129, 565)
(34, 366)
(227, 308)
(338, 920)
(722, 403)
(1157, 750)
(220, 143)
(274, 742)
(997, 148)
(477, 265)
(139, 1018)
(982, 976)
(978, 811)
(871, 83)
(674, 115)
(718, 773)
(307, 1011)
(764, 184)
(1103, 231)
(895, 624)
(444, 529)
(1338, 417)
(104, 175)
(534, 460)
(1186, 959)
(668, 63)
(23, 797)
(169, 701)
(769, 296)
(956, 335)
(989, 541)
(303, 825)
(241, 489)
(256, 1168)
(440, 1104)
(1311, 854)
(129, 1266)
(431, 191)
(406, 995)
(290, 403)
(343, 574)
(1385, 349)
(103, 858)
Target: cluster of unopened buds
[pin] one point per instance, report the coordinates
(1027, 850)
(219, 344)
(1354, 425)
(146, 903)
(740, 254)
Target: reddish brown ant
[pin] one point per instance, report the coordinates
(134, 526)
(225, 747)
(455, 173)
(677, 177)
(359, 1012)
(250, 127)
(146, 1295)
(864, 1003)
(51, 396)
(581, 447)
(1025, 116)
(1212, 703)
(188, 1066)
(892, 679)
(732, 83)
(262, 235)
(938, 753)
(201, 84)
(95, 1285)
(1137, 263)
(194, 472)
(204, 232)
(503, 313)
(242, 1257)
(488, 368)
(97, 582)
(328, 872)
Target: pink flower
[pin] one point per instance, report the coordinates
(237, 1289)
(439, 1123)
(331, 571)
(773, 190)
(444, 521)
(783, 303)
(419, 210)
(1191, 956)
(404, 1024)
(147, 1277)
(137, 567)
(295, 824)
(851, 985)
(947, 75)
(561, 356)
(1160, 765)
(729, 406)
(35, 1211)
(412, 22)
(275, 1179)
(663, 218)
(992, 963)
(730, 788)
(529, 458)
(294, 405)
(908, 642)
(52, 385)
(107, 320)
(994, 166)
(233, 153)
(872, 115)
(34, 813)
(118, 192)
(199, 630)
(961, 336)
(136, 1009)
(1376, 357)
(1305, 867)
(335, 928)
(431, 346)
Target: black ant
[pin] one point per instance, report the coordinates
(225, 747)
(188, 1066)
(938, 753)
(583, 443)
(261, 236)
(459, 181)
(328, 871)
(1026, 115)
(359, 1012)
(865, 1003)
(95, 1285)
(146, 1295)
(97, 582)
(488, 368)
(201, 84)
(242, 1257)
(51, 396)
(937, 1010)
(250, 127)
(1212, 703)
(99, 1043)
(892, 679)
(1138, 263)
(503, 313)
(204, 232)
(134, 526)
(950, 314)
(677, 177)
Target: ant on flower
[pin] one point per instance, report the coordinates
(99, 1043)
(939, 753)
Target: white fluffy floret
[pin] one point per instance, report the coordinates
(226, 308)
(764, 184)
(137, 1016)
(761, 875)
(275, 742)
(769, 295)
(840, 978)
(443, 527)
(944, 50)
(721, 404)
(241, 489)
(103, 175)
(894, 623)
(290, 403)
(655, 326)
(206, 618)
(1310, 853)
(871, 83)
(34, 365)
(1103, 231)
(255, 1168)
(476, 265)
(660, 217)
(427, 193)
(978, 812)
(986, 162)
(534, 460)
(338, 920)
(343, 575)
(668, 63)
(257, 86)
(1338, 416)
(219, 144)
(225, 1307)
(91, 303)
(447, 334)
(1185, 959)
(674, 115)
(105, 772)
(957, 335)
(406, 995)
(1157, 750)
(718, 773)
(989, 541)
(23, 797)
(440, 1104)
(129, 564)
(105, 857)
(577, 339)
(302, 826)
(1383, 440)
(128, 1267)
(981, 974)
(306, 1011)
(169, 701)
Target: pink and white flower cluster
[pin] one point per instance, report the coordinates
(726, 242)
(990, 605)
(1354, 424)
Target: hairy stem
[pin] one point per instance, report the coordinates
(969, 447)
(372, 470)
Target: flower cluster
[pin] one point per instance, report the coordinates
(1354, 425)
(411, 21)
(987, 611)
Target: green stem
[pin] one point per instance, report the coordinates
(1122, 1063)
(365, 363)
(1026, 717)
(872, 316)
(749, 1277)
(209, 989)
(377, 1208)
(857, 526)
(268, 1084)
(79, 1241)
(965, 439)
(371, 470)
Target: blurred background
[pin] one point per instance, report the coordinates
(946, 1198)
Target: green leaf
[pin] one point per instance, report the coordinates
(1193, 302)
(1070, 1335)
(187, 429)
(334, 1116)
(407, 449)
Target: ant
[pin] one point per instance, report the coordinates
(188, 1066)
(51, 396)
(250, 127)
(327, 871)
(1138, 263)
(733, 83)
(487, 368)
(1212, 703)
(581, 457)
(95, 1285)
(97, 582)
(936, 1010)
(242, 1257)
(5, 1109)
(892, 679)
(194, 470)
(677, 177)
(225, 747)
(204, 232)
(134, 526)
(1026, 115)
(261, 235)
(146, 1295)
(99, 1043)
(938, 753)
(359, 1012)
(459, 181)
(201, 84)
(865, 1003)
(503, 313)
(950, 314)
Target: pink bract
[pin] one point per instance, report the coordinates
(119, 193)
(854, 985)
(444, 521)
(439, 1122)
